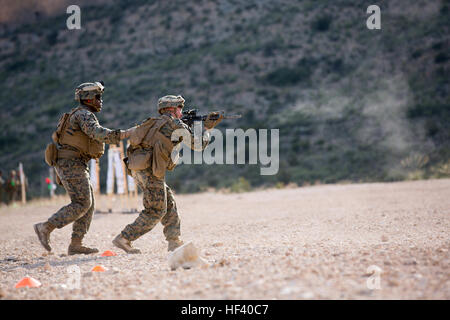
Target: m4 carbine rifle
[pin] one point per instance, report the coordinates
(189, 116)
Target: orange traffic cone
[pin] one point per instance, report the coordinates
(108, 253)
(98, 269)
(28, 282)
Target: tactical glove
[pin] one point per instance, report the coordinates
(213, 120)
(125, 134)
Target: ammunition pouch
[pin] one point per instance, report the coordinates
(70, 154)
(89, 148)
(161, 159)
(149, 147)
(138, 159)
(51, 154)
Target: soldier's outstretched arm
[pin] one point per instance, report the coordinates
(195, 142)
(91, 127)
(125, 134)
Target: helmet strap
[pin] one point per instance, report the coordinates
(88, 103)
(170, 110)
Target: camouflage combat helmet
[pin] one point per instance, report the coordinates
(170, 101)
(88, 90)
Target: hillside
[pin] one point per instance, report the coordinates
(351, 103)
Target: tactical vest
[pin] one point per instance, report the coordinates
(146, 137)
(64, 135)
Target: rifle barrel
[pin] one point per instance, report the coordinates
(232, 116)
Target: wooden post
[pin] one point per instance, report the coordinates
(110, 178)
(97, 176)
(97, 168)
(51, 172)
(125, 180)
(22, 183)
(110, 172)
(135, 192)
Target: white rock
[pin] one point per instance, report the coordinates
(289, 290)
(307, 295)
(187, 256)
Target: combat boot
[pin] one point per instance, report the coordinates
(174, 243)
(124, 244)
(75, 247)
(43, 231)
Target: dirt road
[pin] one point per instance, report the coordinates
(361, 241)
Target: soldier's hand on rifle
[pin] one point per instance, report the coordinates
(125, 134)
(213, 120)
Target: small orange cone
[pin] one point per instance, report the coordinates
(108, 253)
(28, 282)
(98, 269)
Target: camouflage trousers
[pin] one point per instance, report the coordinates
(74, 175)
(159, 206)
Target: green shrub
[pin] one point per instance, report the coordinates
(242, 185)
(441, 57)
(287, 76)
(322, 24)
(429, 110)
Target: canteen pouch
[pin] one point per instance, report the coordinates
(160, 160)
(51, 154)
(139, 160)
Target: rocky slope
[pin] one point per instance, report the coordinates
(351, 103)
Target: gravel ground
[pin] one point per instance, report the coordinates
(313, 242)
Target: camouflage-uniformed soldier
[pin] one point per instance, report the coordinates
(79, 137)
(149, 155)
(12, 187)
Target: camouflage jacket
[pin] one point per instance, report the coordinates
(86, 121)
(195, 143)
